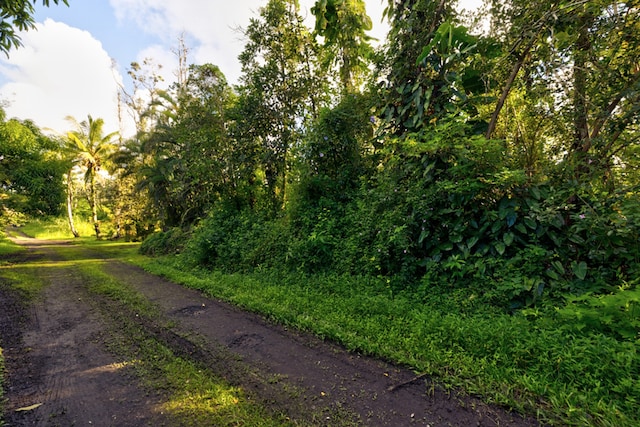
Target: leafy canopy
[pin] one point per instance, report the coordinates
(17, 15)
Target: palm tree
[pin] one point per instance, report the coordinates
(91, 148)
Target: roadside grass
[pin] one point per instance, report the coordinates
(535, 365)
(7, 247)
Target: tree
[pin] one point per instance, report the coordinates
(142, 103)
(193, 164)
(343, 23)
(211, 169)
(30, 171)
(279, 89)
(91, 149)
(581, 57)
(407, 90)
(17, 15)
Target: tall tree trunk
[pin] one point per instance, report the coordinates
(93, 201)
(505, 91)
(582, 140)
(72, 226)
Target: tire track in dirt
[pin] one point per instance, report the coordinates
(62, 365)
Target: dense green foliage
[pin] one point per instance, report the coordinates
(481, 177)
(30, 171)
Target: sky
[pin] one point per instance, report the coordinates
(75, 60)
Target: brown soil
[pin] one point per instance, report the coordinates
(56, 356)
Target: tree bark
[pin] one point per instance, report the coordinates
(582, 140)
(505, 92)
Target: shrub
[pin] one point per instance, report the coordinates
(167, 242)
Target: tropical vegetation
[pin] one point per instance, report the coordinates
(470, 187)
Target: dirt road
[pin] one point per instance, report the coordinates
(60, 373)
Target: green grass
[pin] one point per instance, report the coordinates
(7, 247)
(537, 365)
(56, 228)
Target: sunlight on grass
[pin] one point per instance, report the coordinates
(196, 395)
(55, 229)
(7, 247)
(49, 264)
(24, 279)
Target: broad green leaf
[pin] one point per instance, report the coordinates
(521, 228)
(579, 269)
(500, 247)
(558, 266)
(576, 239)
(447, 246)
(551, 273)
(508, 238)
(423, 235)
(456, 238)
(535, 192)
(531, 223)
(557, 221)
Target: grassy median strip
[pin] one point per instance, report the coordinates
(195, 395)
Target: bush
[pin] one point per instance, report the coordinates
(235, 240)
(165, 243)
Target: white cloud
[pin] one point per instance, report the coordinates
(60, 71)
(212, 25)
